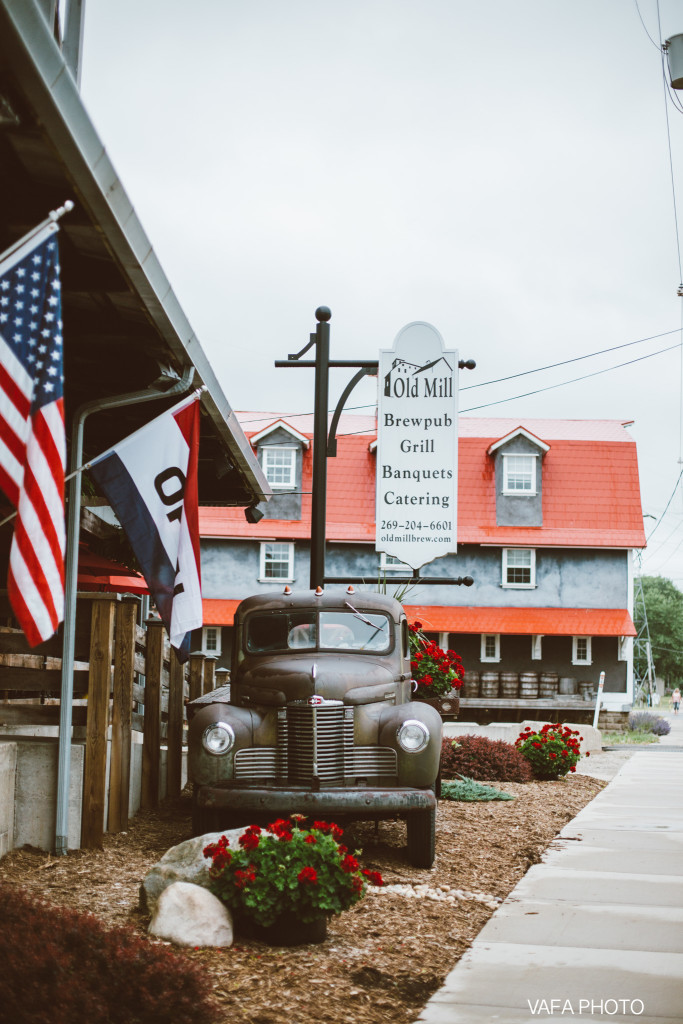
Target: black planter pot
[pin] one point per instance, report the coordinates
(287, 930)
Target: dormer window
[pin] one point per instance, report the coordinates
(279, 466)
(519, 474)
(280, 450)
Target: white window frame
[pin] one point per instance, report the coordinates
(211, 652)
(487, 657)
(588, 660)
(507, 472)
(532, 569)
(289, 559)
(280, 449)
(537, 647)
(395, 566)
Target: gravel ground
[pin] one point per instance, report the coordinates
(605, 765)
(383, 958)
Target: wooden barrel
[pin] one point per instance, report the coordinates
(548, 684)
(470, 684)
(528, 684)
(567, 685)
(509, 684)
(586, 690)
(489, 684)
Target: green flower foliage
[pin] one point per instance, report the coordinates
(467, 789)
(552, 752)
(435, 671)
(288, 869)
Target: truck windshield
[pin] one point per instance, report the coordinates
(354, 631)
(281, 631)
(341, 631)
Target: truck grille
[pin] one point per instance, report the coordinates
(315, 747)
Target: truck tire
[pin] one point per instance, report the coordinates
(204, 819)
(421, 829)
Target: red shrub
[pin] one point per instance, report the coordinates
(58, 965)
(484, 760)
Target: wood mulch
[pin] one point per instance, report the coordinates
(383, 959)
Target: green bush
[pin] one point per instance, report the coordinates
(483, 760)
(61, 966)
(551, 752)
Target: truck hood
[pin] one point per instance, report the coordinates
(351, 680)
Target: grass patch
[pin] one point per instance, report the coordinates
(467, 789)
(627, 736)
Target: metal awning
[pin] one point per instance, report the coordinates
(123, 325)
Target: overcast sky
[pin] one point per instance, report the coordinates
(499, 169)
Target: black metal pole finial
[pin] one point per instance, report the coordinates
(323, 314)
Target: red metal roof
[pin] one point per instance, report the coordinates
(524, 621)
(447, 619)
(591, 490)
(218, 612)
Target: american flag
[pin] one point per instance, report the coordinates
(32, 440)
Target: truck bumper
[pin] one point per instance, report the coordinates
(351, 803)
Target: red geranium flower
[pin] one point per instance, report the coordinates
(308, 876)
(373, 877)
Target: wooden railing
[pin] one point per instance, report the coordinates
(127, 678)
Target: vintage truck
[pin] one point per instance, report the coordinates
(317, 720)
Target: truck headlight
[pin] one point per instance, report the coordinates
(218, 738)
(412, 736)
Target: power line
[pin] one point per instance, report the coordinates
(659, 521)
(653, 41)
(576, 359)
(574, 380)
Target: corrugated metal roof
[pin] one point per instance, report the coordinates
(591, 489)
(524, 621)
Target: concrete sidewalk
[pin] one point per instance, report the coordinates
(595, 932)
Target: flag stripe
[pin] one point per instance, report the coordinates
(141, 530)
(150, 479)
(38, 622)
(32, 439)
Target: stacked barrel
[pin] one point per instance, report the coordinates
(470, 684)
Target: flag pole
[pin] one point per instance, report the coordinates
(51, 219)
(70, 588)
(86, 465)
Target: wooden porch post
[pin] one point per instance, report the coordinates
(151, 738)
(99, 687)
(175, 726)
(122, 710)
(196, 675)
(209, 681)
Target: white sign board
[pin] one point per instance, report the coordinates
(417, 447)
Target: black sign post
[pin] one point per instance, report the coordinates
(325, 446)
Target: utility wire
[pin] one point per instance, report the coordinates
(498, 380)
(659, 521)
(576, 359)
(653, 41)
(574, 380)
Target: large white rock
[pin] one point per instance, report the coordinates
(190, 915)
(182, 863)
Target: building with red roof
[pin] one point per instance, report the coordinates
(549, 515)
